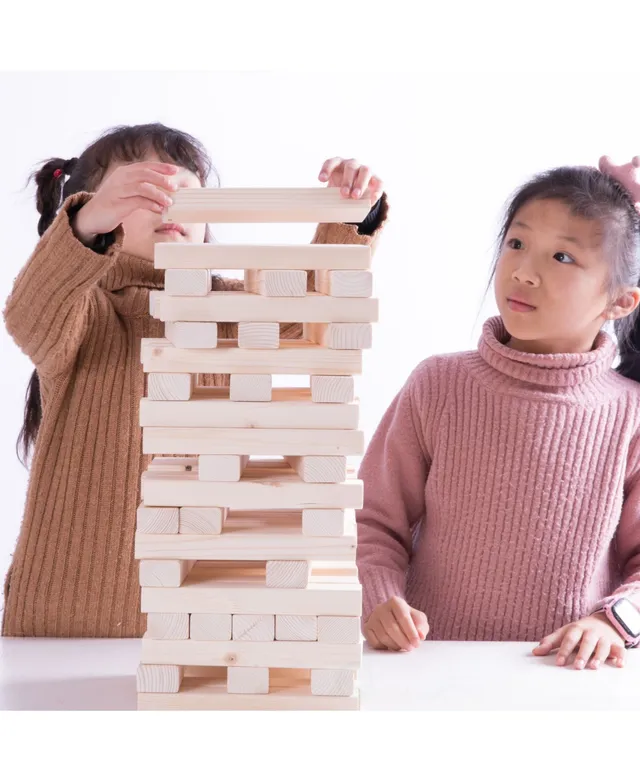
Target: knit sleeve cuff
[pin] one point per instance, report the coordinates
(379, 584)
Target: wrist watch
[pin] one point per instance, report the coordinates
(625, 617)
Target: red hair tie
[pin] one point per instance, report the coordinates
(57, 173)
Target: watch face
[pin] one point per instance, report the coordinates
(628, 615)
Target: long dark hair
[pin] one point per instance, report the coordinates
(595, 196)
(57, 179)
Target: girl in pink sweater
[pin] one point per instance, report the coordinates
(502, 486)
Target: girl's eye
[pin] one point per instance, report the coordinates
(515, 244)
(563, 258)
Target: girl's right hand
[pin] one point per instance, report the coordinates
(396, 625)
(131, 186)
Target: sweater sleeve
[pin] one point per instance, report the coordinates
(394, 471)
(46, 312)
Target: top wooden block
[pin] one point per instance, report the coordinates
(266, 205)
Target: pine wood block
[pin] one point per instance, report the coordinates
(163, 626)
(334, 682)
(238, 306)
(276, 282)
(164, 573)
(171, 463)
(262, 487)
(320, 469)
(192, 335)
(250, 388)
(253, 627)
(251, 256)
(258, 442)
(265, 205)
(252, 536)
(170, 385)
(210, 627)
(214, 590)
(288, 574)
(202, 521)
(332, 389)
(221, 467)
(157, 520)
(327, 522)
(247, 654)
(293, 357)
(158, 678)
(339, 630)
(248, 681)
(344, 283)
(259, 336)
(296, 628)
(187, 282)
(290, 408)
(341, 336)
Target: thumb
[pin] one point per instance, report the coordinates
(420, 622)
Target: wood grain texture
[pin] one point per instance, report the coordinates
(158, 678)
(202, 521)
(344, 283)
(336, 683)
(163, 626)
(170, 386)
(187, 282)
(275, 282)
(152, 521)
(288, 574)
(250, 388)
(258, 336)
(332, 388)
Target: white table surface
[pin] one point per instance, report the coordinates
(60, 674)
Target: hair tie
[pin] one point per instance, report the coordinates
(626, 175)
(57, 173)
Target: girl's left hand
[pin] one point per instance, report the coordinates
(352, 178)
(594, 635)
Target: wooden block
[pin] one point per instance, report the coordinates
(210, 590)
(326, 522)
(192, 335)
(339, 629)
(259, 336)
(260, 488)
(247, 654)
(202, 521)
(251, 536)
(157, 520)
(288, 574)
(290, 408)
(236, 307)
(170, 385)
(161, 626)
(250, 388)
(333, 682)
(340, 336)
(344, 283)
(252, 256)
(265, 205)
(275, 282)
(171, 463)
(320, 469)
(164, 573)
(248, 681)
(332, 388)
(187, 282)
(158, 678)
(253, 627)
(296, 628)
(221, 467)
(258, 442)
(211, 627)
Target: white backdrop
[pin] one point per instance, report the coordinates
(450, 148)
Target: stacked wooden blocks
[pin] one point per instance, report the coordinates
(247, 546)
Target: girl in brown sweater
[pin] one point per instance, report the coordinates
(78, 309)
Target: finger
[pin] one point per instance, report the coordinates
(601, 654)
(147, 190)
(348, 175)
(619, 653)
(403, 617)
(131, 203)
(372, 638)
(589, 642)
(376, 189)
(380, 631)
(421, 623)
(162, 181)
(361, 181)
(328, 167)
(161, 168)
(395, 632)
(569, 643)
(550, 642)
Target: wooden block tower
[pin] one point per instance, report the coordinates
(247, 563)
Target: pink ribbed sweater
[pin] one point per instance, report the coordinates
(502, 491)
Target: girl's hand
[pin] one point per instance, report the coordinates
(396, 625)
(132, 186)
(594, 635)
(352, 178)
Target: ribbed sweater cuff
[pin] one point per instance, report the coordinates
(379, 584)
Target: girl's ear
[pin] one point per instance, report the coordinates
(624, 305)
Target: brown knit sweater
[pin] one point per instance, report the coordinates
(80, 315)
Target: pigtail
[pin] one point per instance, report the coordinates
(50, 180)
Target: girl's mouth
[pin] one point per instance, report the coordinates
(518, 306)
(166, 228)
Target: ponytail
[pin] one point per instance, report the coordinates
(50, 180)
